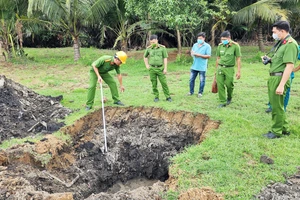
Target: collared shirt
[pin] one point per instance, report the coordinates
(287, 52)
(200, 64)
(156, 55)
(228, 53)
(104, 65)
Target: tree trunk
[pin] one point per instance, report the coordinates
(76, 48)
(178, 40)
(212, 42)
(260, 36)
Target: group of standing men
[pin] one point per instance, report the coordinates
(282, 62)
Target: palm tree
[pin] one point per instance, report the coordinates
(123, 27)
(10, 26)
(260, 12)
(72, 15)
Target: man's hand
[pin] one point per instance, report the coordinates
(165, 71)
(148, 67)
(122, 88)
(238, 75)
(99, 79)
(279, 90)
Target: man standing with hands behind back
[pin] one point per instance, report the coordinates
(281, 66)
(156, 61)
(228, 54)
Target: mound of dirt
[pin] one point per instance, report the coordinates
(24, 112)
(282, 191)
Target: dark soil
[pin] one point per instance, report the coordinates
(290, 190)
(141, 141)
(24, 112)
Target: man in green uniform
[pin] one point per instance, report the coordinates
(282, 64)
(228, 54)
(155, 58)
(99, 73)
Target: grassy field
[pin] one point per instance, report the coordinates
(234, 167)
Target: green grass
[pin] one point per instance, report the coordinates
(234, 150)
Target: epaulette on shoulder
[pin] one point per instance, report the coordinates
(233, 42)
(160, 45)
(290, 40)
(107, 60)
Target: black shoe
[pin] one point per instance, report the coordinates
(87, 108)
(228, 101)
(222, 106)
(119, 103)
(169, 99)
(156, 99)
(270, 135)
(268, 110)
(286, 132)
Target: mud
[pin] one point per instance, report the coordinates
(24, 112)
(140, 143)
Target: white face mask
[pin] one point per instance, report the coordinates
(275, 36)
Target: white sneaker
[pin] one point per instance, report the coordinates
(199, 95)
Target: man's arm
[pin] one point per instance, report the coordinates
(97, 73)
(146, 62)
(296, 69)
(201, 56)
(121, 83)
(238, 73)
(165, 65)
(286, 76)
(217, 62)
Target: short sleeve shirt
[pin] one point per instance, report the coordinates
(228, 53)
(287, 52)
(104, 65)
(156, 55)
(200, 64)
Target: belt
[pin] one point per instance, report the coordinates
(276, 74)
(226, 66)
(156, 66)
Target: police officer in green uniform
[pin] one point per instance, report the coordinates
(155, 58)
(228, 54)
(99, 72)
(281, 66)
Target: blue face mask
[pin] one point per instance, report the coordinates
(200, 41)
(225, 42)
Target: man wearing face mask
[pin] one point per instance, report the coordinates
(201, 52)
(281, 66)
(156, 61)
(228, 54)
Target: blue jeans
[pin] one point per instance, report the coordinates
(193, 76)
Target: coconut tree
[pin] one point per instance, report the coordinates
(72, 15)
(260, 12)
(10, 26)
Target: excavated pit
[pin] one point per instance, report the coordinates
(140, 143)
